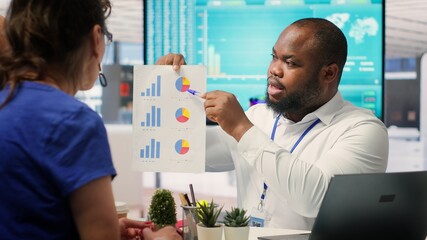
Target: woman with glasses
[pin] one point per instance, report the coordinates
(55, 161)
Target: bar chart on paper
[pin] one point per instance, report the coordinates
(151, 151)
(152, 118)
(154, 89)
(169, 124)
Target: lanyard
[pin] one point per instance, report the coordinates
(273, 133)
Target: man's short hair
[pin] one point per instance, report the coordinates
(329, 41)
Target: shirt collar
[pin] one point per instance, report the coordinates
(327, 112)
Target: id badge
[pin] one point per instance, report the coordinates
(258, 217)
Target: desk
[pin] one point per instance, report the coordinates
(255, 232)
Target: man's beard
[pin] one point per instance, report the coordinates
(297, 102)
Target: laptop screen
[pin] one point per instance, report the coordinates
(372, 206)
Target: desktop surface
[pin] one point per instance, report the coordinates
(256, 232)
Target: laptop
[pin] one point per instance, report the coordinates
(389, 206)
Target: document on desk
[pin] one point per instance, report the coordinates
(169, 123)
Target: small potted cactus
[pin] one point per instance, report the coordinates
(208, 228)
(162, 211)
(236, 224)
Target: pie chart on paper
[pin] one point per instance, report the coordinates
(182, 84)
(182, 115)
(182, 146)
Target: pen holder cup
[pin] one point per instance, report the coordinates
(189, 222)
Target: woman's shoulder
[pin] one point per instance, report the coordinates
(51, 106)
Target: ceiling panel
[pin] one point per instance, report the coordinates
(126, 21)
(406, 25)
(406, 28)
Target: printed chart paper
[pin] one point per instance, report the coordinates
(169, 124)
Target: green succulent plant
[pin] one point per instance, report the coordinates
(208, 213)
(236, 218)
(162, 209)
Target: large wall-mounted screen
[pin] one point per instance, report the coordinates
(234, 40)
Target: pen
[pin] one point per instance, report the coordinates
(194, 92)
(192, 195)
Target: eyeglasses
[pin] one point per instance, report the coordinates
(108, 37)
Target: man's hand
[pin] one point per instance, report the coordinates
(223, 108)
(176, 60)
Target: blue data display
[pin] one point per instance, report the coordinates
(234, 39)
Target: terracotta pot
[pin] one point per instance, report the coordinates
(209, 233)
(236, 233)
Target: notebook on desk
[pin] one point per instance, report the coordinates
(389, 206)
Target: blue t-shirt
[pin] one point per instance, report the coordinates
(50, 145)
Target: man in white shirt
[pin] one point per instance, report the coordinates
(286, 151)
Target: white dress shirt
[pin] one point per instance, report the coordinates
(347, 140)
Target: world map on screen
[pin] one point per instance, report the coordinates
(360, 27)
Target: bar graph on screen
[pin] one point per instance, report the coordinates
(234, 40)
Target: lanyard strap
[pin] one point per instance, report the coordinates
(273, 133)
(303, 134)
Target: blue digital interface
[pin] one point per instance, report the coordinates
(234, 40)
